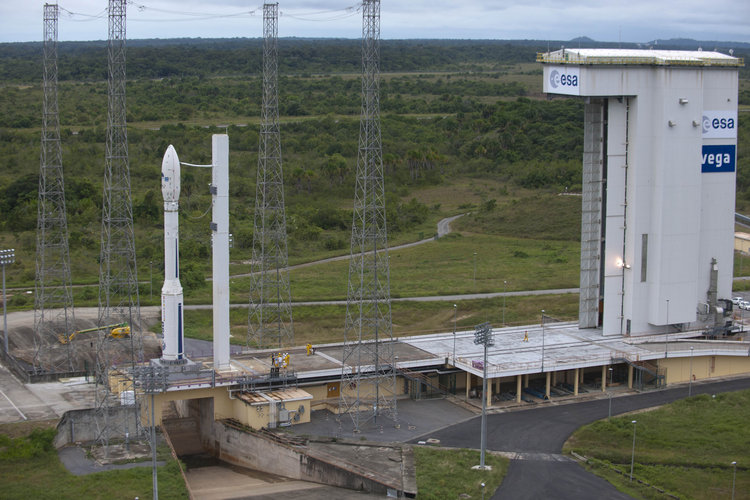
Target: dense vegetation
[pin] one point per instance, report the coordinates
(451, 110)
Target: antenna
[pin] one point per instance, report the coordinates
(270, 321)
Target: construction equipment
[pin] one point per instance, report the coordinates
(116, 331)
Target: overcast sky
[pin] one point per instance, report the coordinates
(602, 20)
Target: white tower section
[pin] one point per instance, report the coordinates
(171, 293)
(658, 184)
(220, 246)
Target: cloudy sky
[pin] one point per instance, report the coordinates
(603, 20)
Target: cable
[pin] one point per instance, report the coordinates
(205, 16)
(347, 12)
(94, 17)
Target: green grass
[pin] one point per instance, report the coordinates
(30, 468)
(442, 267)
(325, 324)
(447, 474)
(685, 448)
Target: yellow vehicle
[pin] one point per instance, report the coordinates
(116, 331)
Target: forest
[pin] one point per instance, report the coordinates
(450, 110)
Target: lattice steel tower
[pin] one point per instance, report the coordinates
(270, 315)
(118, 277)
(368, 381)
(53, 299)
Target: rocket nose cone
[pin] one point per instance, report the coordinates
(170, 175)
(170, 158)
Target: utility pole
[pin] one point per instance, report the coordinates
(368, 330)
(505, 288)
(270, 321)
(542, 340)
(455, 313)
(666, 337)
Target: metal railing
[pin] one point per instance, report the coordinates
(574, 58)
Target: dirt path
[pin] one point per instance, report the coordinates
(443, 228)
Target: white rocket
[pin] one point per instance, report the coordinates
(171, 293)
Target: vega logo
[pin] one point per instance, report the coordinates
(719, 124)
(563, 80)
(718, 159)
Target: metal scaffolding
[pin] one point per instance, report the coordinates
(368, 379)
(591, 214)
(270, 321)
(118, 277)
(53, 298)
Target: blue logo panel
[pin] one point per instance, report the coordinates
(718, 158)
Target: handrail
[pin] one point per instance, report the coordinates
(574, 58)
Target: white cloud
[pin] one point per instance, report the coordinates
(605, 20)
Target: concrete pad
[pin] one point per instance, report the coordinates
(18, 403)
(415, 418)
(224, 483)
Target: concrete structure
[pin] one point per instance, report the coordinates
(742, 242)
(658, 184)
(220, 246)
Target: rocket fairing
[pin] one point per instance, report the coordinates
(171, 293)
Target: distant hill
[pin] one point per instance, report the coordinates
(690, 44)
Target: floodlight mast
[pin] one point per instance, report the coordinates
(483, 336)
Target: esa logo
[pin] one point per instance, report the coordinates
(718, 159)
(556, 79)
(719, 124)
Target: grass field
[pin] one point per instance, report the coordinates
(30, 468)
(325, 324)
(444, 474)
(685, 448)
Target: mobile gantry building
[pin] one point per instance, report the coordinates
(658, 185)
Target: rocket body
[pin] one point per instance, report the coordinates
(171, 293)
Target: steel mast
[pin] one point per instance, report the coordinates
(270, 321)
(368, 380)
(118, 276)
(53, 299)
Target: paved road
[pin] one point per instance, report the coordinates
(537, 436)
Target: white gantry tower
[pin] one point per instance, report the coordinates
(659, 171)
(270, 321)
(53, 301)
(368, 380)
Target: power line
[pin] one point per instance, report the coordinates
(333, 15)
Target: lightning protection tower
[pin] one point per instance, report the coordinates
(53, 301)
(118, 277)
(270, 315)
(368, 380)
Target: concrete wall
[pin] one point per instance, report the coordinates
(224, 407)
(704, 367)
(256, 452)
(80, 426)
